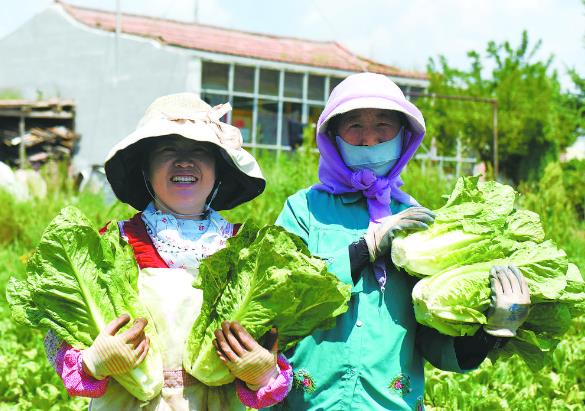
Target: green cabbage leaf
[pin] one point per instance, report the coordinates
(478, 228)
(77, 282)
(262, 278)
(478, 221)
(454, 301)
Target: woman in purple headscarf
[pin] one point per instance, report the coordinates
(373, 358)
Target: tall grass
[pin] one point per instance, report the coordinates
(285, 174)
(552, 201)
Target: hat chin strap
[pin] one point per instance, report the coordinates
(168, 209)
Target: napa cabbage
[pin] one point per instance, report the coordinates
(478, 223)
(262, 278)
(478, 228)
(77, 281)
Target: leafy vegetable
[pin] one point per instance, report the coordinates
(476, 229)
(454, 301)
(262, 279)
(478, 223)
(77, 282)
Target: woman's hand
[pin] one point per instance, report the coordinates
(245, 358)
(510, 301)
(379, 236)
(112, 353)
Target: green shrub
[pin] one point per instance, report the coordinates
(553, 201)
(574, 182)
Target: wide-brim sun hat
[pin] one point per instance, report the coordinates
(185, 115)
(370, 90)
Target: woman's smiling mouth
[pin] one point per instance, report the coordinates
(181, 179)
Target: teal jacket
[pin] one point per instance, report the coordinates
(373, 359)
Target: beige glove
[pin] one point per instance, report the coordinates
(114, 354)
(379, 236)
(246, 359)
(510, 301)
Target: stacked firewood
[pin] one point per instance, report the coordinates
(41, 144)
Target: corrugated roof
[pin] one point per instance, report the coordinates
(235, 42)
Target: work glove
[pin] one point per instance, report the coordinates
(114, 354)
(246, 359)
(379, 236)
(510, 301)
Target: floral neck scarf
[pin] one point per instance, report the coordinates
(183, 243)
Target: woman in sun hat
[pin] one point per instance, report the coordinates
(373, 358)
(179, 167)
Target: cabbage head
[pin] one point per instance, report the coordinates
(78, 281)
(478, 223)
(263, 278)
(454, 301)
(478, 228)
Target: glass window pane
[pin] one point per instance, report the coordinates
(269, 82)
(242, 116)
(292, 128)
(334, 81)
(214, 76)
(267, 122)
(314, 113)
(414, 93)
(316, 88)
(293, 85)
(244, 79)
(403, 88)
(214, 100)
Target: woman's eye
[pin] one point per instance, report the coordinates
(167, 151)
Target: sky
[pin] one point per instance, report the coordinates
(402, 33)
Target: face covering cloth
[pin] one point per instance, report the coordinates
(379, 158)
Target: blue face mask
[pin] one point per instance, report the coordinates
(379, 158)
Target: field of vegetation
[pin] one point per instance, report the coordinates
(27, 381)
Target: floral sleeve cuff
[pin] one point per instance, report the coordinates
(66, 361)
(272, 393)
(77, 381)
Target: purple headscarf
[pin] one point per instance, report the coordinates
(368, 90)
